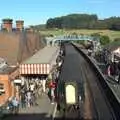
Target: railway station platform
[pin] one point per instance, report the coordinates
(41, 62)
(110, 80)
(114, 86)
(31, 70)
(110, 85)
(39, 67)
(43, 111)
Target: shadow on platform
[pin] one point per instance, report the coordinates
(40, 116)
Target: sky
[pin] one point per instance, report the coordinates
(35, 12)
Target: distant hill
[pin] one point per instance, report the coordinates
(39, 27)
(83, 21)
(80, 21)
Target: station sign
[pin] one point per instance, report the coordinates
(17, 81)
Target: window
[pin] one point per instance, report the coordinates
(2, 91)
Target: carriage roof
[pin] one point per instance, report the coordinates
(71, 69)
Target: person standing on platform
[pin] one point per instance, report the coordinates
(23, 102)
(52, 87)
(118, 66)
(15, 103)
(44, 84)
(109, 71)
(32, 86)
(28, 98)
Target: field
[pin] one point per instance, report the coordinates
(111, 34)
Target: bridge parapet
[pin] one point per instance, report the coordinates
(60, 38)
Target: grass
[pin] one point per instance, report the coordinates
(110, 33)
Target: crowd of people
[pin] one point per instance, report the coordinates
(113, 69)
(35, 87)
(27, 98)
(52, 93)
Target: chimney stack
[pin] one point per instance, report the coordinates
(20, 25)
(7, 24)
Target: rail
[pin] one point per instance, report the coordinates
(108, 92)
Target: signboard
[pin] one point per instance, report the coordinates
(2, 90)
(17, 81)
(71, 93)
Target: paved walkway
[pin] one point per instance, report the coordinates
(115, 87)
(43, 111)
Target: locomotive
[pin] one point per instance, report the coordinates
(70, 87)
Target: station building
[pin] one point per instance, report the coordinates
(7, 76)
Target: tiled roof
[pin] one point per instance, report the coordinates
(16, 47)
(7, 69)
(43, 56)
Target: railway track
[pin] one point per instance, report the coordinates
(100, 104)
(95, 105)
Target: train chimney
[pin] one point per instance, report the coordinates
(7, 24)
(20, 25)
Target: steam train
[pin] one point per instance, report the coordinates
(70, 88)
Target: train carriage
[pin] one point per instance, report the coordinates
(70, 89)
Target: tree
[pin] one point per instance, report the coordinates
(104, 40)
(117, 39)
(83, 21)
(50, 23)
(72, 21)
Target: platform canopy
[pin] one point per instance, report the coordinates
(41, 62)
